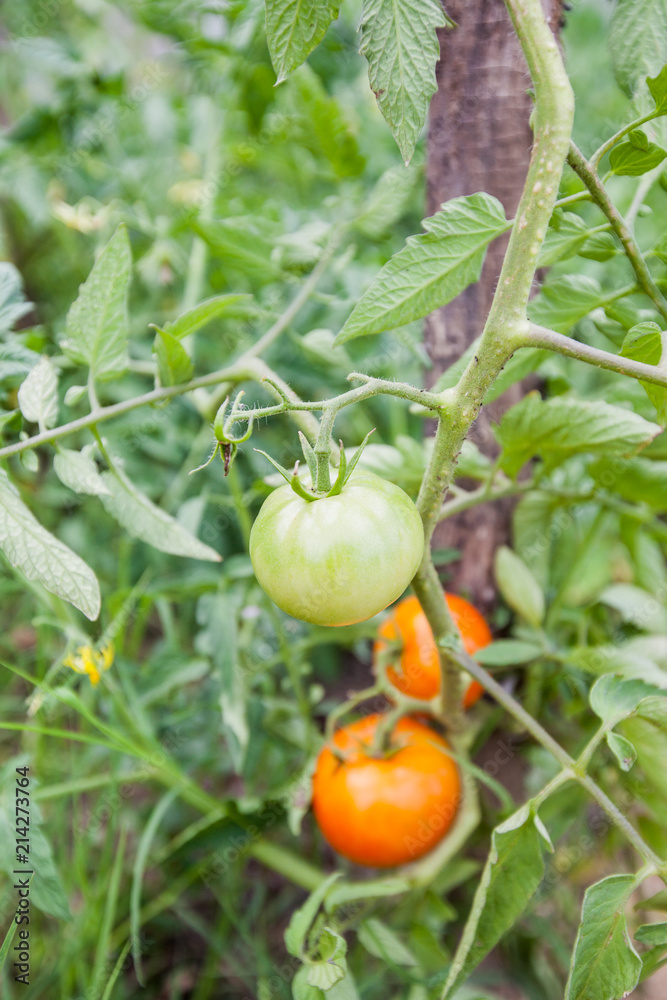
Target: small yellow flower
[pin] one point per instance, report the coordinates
(90, 661)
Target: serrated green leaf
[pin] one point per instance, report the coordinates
(627, 160)
(564, 301)
(563, 426)
(174, 364)
(646, 342)
(294, 28)
(77, 471)
(399, 40)
(142, 519)
(604, 966)
(507, 652)
(41, 557)
(614, 698)
(380, 940)
(97, 325)
(638, 41)
(512, 873)
(38, 395)
(658, 88)
(518, 586)
(432, 269)
(623, 750)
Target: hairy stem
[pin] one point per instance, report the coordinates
(507, 323)
(539, 336)
(589, 176)
(574, 769)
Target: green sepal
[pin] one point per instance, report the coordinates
(357, 455)
(341, 478)
(292, 479)
(219, 422)
(223, 424)
(208, 460)
(309, 455)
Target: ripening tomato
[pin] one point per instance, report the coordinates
(338, 559)
(386, 811)
(418, 674)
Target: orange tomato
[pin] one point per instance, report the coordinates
(386, 811)
(418, 673)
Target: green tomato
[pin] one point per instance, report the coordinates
(340, 559)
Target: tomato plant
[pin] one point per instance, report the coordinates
(210, 243)
(389, 807)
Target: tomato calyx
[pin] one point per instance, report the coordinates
(383, 746)
(309, 494)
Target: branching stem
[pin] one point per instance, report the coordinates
(539, 336)
(588, 174)
(507, 325)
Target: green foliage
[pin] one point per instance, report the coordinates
(604, 962)
(432, 269)
(400, 43)
(512, 874)
(176, 227)
(294, 28)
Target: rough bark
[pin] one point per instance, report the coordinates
(479, 140)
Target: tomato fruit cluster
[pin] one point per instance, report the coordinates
(341, 558)
(388, 809)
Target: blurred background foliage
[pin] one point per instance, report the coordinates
(163, 114)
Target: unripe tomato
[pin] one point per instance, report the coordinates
(419, 672)
(339, 559)
(386, 811)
